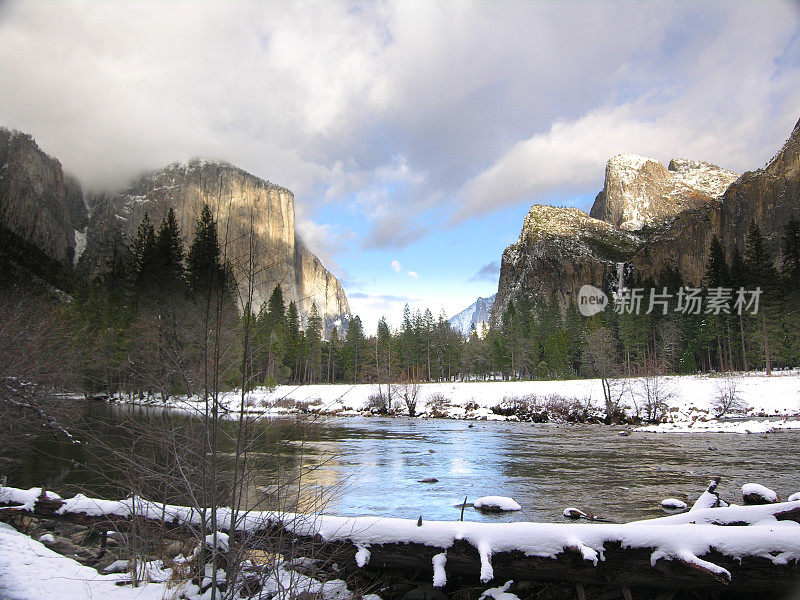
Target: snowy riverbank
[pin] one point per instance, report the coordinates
(769, 402)
(717, 544)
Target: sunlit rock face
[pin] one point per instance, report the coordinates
(37, 202)
(255, 220)
(646, 218)
(559, 250)
(640, 191)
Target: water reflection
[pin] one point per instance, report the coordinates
(358, 466)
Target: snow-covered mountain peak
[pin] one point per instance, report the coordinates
(640, 191)
(703, 176)
(478, 314)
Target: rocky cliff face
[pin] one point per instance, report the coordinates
(559, 250)
(641, 191)
(649, 217)
(768, 196)
(37, 202)
(242, 204)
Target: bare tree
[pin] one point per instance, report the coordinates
(409, 390)
(652, 393)
(39, 359)
(727, 399)
(603, 361)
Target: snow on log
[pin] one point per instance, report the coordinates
(673, 504)
(754, 493)
(760, 556)
(496, 504)
(362, 556)
(709, 498)
(500, 593)
(574, 513)
(765, 514)
(439, 575)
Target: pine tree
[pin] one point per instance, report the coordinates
(293, 341)
(759, 265)
(270, 335)
(761, 272)
(384, 352)
(354, 349)
(790, 268)
(333, 354)
(204, 268)
(169, 252)
(574, 330)
(738, 279)
(144, 253)
(314, 344)
(717, 273)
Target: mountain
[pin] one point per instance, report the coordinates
(559, 250)
(43, 214)
(640, 191)
(478, 314)
(646, 218)
(38, 203)
(256, 217)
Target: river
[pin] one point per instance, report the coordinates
(375, 466)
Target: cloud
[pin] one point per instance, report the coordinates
(324, 239)
(488, 272)
(371, 307)
(718, 108)
(381, 297)
(398, 268)
(398, 111)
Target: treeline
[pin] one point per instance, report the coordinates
(535, 339)
(158, 314)
(165, 320)
(539, 338)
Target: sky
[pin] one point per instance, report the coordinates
(414, 135)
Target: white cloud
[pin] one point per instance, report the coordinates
(729, 104)
(402, 112)
(398, 268)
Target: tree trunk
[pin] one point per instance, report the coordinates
(767, 358)
(744, 349)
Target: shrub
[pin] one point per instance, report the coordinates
(376, 403)
(438, 404)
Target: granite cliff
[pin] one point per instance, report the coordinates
(43, 207)
(241, 203)
(641, 191)
(559, 250)
(38, 202)
(648, 217)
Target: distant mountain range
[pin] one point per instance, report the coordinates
(478, 314)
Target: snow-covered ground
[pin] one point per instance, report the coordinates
(30, 571)
(771, 402)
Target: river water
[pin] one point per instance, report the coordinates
(375, 466)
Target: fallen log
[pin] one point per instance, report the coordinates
(749, 560)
